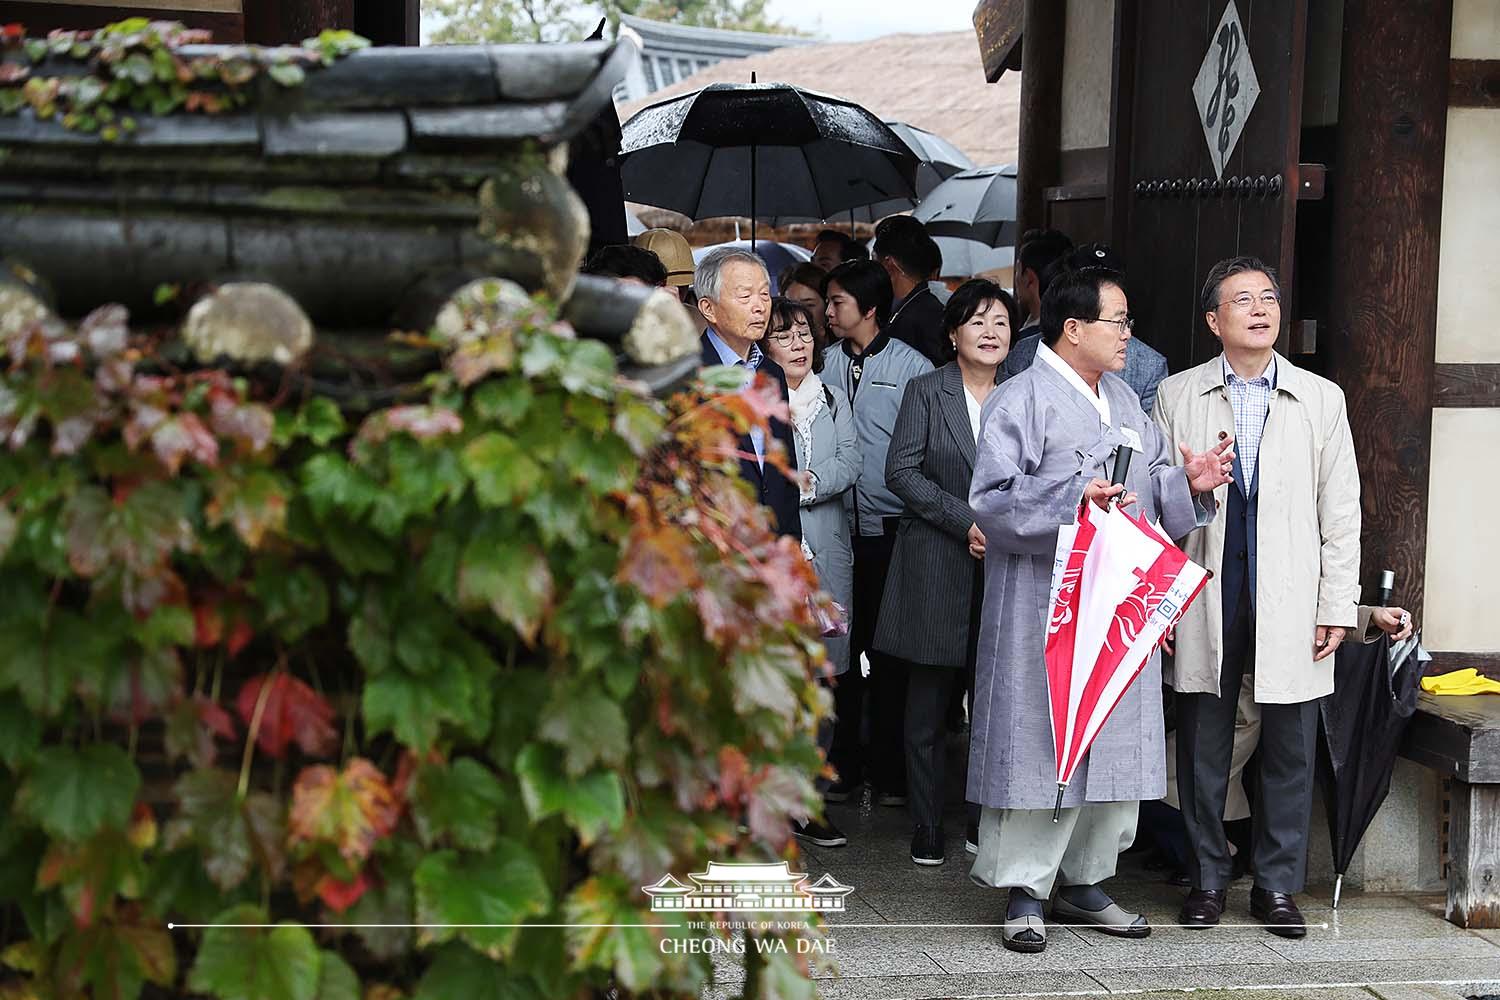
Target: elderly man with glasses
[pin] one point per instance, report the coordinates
(1283, 593)
(734, 296)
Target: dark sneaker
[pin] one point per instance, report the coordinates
(927, 845)
(971, 838)
(892, 799)
(823, 834)
(841, 790)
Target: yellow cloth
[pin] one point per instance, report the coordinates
(1466, 681)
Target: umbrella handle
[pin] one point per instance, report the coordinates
(1057, 809)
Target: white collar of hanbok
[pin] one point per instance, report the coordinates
(1097, 400)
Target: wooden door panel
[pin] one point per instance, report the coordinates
(1182, 215)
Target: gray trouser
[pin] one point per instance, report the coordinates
(1023, 848)
(1283, 802)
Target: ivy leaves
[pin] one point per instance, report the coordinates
(72, 793)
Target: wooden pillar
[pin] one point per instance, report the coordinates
(1041, 109)
(288, 22)
(1388, 192)
(1474, 847)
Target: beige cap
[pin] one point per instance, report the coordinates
(673, 251)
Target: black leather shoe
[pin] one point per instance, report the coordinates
(842, 790)
(1278, 912)
(1202, 908)
(927, 845)
(820, 833)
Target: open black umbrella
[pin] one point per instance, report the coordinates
(1375, 687)
(762, 149)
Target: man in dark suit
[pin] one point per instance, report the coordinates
(734, 295)
(911, 257)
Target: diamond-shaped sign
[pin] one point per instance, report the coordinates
(1225, 88)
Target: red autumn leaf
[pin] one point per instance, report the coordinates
(213, 717)
(350, 811)
(293, 712)
(208, 626)
(12, 31)
(247, 424)
(339, 896)
(659, 562)
(184, 436)
(734, 769)
(240, 634)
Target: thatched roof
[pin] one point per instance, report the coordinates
(932, 81)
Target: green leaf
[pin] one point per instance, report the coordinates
(587, 724)
(461, 802)
(331, 484)
(632, 954)
(20, 732)
(501, 471)
(293, 600)
(385, 909)
(357, 549)
(415, 708)
(592, 805)
(287, 74)
(241, 963)
(337, 979)
(7, 529)
(511, 578)
(231, 834)
(504, 886)
(439, 569)
(168, 625)
(589, 367)
(74, 793)
(503, 401)
(459, 971)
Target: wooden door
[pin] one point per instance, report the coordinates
(1208, 115)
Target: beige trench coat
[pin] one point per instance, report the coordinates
(1308, 539)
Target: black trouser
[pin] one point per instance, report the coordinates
(930, 691)
(1284, 792)
(885, 687)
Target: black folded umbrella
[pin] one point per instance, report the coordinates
(1375, 690)
(762, 149)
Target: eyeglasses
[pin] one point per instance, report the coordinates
(1126, 324)
(784, 338)
(1244, 301)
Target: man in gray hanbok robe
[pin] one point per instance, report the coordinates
(1046, 443)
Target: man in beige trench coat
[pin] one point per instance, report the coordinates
(1285, 557)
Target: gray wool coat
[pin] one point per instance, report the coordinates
(1039, 445)
(924, 615)
(830, 450)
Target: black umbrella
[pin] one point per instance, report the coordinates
(1375, 687)
(768, 148)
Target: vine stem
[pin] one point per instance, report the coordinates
(261, 697)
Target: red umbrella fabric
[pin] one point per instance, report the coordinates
(1118, 587)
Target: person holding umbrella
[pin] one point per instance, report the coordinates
(1284, 591)
(1046, 438)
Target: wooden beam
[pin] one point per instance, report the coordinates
(1121, 114)
(287, 22)
(1444, 662)
(1466, 385)
(227, 26)
(1041, 110)
(1387, 210)
(1474, 83)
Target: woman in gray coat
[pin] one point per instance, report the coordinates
(929, 615)
(828, 464)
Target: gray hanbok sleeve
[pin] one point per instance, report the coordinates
(1018, 510)
(1176, 506)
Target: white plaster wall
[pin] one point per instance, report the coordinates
(1476, 29)
(1468, 314)
(1463, 540)
(1088, 53)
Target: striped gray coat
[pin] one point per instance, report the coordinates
(924, 615)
